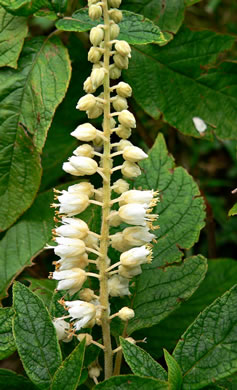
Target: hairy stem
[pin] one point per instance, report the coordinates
(104, 242)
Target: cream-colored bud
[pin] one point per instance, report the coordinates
(134, 154)
(96, 36)
(124, 89)
(123, 132)
(123, 48)
(120, 186)
(116, 15)
(95, 112)
(94, 55)
(120, 103)
(120, 61)
(95, 11)
(118, 242)
(129, 273)
(88, 87)
(130, 169)
(136, 256)
(115, 3)
(83, 165)
(91, 241)
(114, 219)
(98, 141)
(127, 119)
(123, 144)
(99, 194)
(118, 286)
(86, 102)
(85, 132)
(112, 123)
(114, 72)
(94, 372)
(68, 263)
(84, 150)
(97, 76)
(62, 329)
(88, 337)
(137, 235)
(82, 188)
(114, 31)
(126, 314)
(86, 294)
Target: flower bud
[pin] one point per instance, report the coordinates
(86, 294)
(116, 15)
(68, 263)
(94, 55)
(95, 12)
(118, 286)
(94, 112)
(115, 3)
(91, 241)
(84, 150)
(72, 204)
(136, 256)
(99, 194)
(120, 61)
(134, 154)
(82, 165)
(129, 273)
(81, 188)
(85, 132)
(114, 72)
(71, 280)
(97, 77)
(123, 144)
(127, 119)
(88, 87)
(94, 372)
(114, 219)
(112, 123)
(126, 314)
(137, 235)
(96, 36)
(124, 89)
(120, 103)
(123, 48)
(88, 337)
(120, 186)
(114, 31)
(118, 242)
(98, 141)
(123, 132)
(86, 102)
(130, 169)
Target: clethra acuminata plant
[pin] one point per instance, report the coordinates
(75, 242)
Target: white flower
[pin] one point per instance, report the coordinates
(136, 256)
(84, 311)
(126, 314)
(134, 213)
(118, 286)
(71, 280)
(129, 272)
(73, 262)
(83, 165)
(62, 327)
(85, 132)
(73, 228)
(118, 242)
(82, 188)
(136, 196)
(134, 154)
(137, 235)
(72, 204)
(69, 247)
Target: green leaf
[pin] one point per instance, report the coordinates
(9, 380)
(168, 14)
(175, 378)
(59, 5)
(131, 382)
(188, 3)
(35, 337)
(212, 339)
(13, 30)
(68, 375)
(43, 288)
(140, 362)
(178, 85)
(7, 343)
(25, 240)
(24, 7)
(26, 114)
(135, 29)
(220, 277)
(233, 210)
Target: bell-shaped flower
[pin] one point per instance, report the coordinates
(71, 280)
(137, 235)
(136, 256)
(129, 272)
(73, 228)
(84, 187)
(72, 204)
(69, 247)
(133, 213)
(72, 262)
(62, 329)
(136, 196)
(118, 286)
(83, 312)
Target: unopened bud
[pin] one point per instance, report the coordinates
(114, 31)
(86, 102)
(120, 103)
(99, 194)
(96, 36)
(126, 314)
(116, 15)
(112, 123)
(94, 112)
(118, 242)
(114, 72)
(121, 61)
(134, 154)
(123, 48)
(82, 188)
(127, 119)
(94, 55)
(115, 3)
(83, 165)
(97, 77)
(129, 273)
(123, 144)
(84, 150)
(136, 256)
(88, 337)
(87, 294)
(98, 141)
(120, 186)
(118, 286)
(114, 219)
(124, 89)
(94, 372)
(130, 340)
(85, 132)
(123, 132)
(87, 86)
(95, 12)
(130, 169)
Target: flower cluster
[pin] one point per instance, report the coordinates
(75, 242)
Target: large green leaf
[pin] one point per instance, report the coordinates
(140, 362)
(35, 337)
(212, 339)
(68, 375)
(7, 343)
(9, 380)
(13, 30)
(43, 288)
(24, 7)
(134, 28)
(178, 85)
(220, 277)
(26, 114)
(168, 14)
(131, 382)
